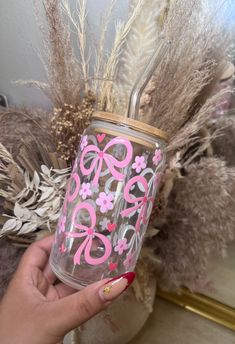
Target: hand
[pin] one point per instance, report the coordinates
(34, 310)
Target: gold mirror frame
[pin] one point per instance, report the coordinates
(203, 306)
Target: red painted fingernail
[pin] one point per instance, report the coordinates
(116, 286)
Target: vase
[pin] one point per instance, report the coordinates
(120, 323)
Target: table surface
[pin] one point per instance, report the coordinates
(170, 324)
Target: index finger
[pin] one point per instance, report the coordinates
(38, 253)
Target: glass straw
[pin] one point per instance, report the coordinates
(142, 81)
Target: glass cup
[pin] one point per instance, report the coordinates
(109, 200)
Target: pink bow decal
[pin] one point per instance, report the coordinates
(110, 161)
(89, 234)
(70, 196)
(142, 201)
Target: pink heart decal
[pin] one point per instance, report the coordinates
(112, 227)
(62, 248)
(112, 266)
(100, 137)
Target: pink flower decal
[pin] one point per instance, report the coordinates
(104, 223)
(89, 233)
(99, 157)
(84, 142)
(61, 224)
(121, 246)
(139, 164)
(157, 157)
(129, 261)
(142, 202)
(105, 202)
(85, 190)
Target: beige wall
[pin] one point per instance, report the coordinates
(19, 41)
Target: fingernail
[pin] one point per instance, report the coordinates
(116, 286)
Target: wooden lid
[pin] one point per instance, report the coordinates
(137, 125)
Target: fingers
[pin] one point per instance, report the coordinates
(38, 253)
(64, 290)
(71, 311)
(49, 274)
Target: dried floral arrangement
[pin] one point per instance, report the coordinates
(195, 219)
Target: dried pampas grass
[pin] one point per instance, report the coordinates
(62, 67)
(33, 176)
(194, 61)
(78, 20)
(106, 92)
(100, 51)
(199, 222)
(64, 76)
(140, 44)
(192, 65)
(190, 134)
(224, 144)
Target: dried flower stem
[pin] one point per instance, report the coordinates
(139, 46)
(100, 53)
(61, 65)
(79, 23)
(106, 96)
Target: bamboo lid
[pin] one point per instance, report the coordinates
(137, 125)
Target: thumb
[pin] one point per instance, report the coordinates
(73, 310)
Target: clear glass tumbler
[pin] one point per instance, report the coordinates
(108, 201)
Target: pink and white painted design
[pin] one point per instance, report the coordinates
(157, 156)
(140, 203)
(129, 261)
(84, 142)
(89, 233)
(104, 223)
(71, 195)
(102, 156)
(61, 223)
(116, 240)
(85, 190)
(139, 164)
(105, 202)
(121, 246)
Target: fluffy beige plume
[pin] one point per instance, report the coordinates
(106, 95)
(189, 133)
(64, 75)
(78, 19)
(192, 65)
(100, 51)
(199, 224)
(140, 44)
